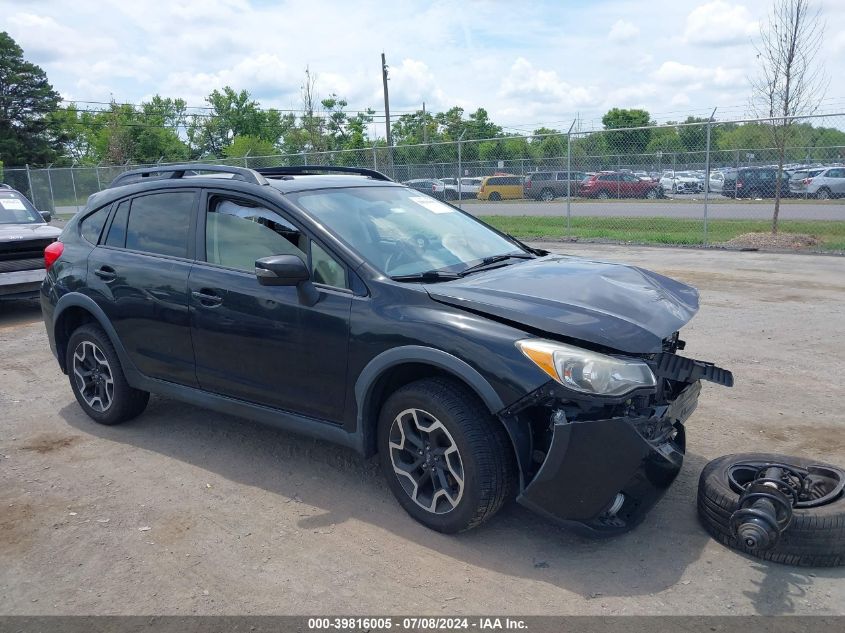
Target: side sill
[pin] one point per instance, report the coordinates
(284, 420)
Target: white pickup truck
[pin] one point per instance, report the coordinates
(24, 234)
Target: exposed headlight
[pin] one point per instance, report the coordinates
(586, 371)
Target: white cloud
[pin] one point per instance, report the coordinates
(674, 73)
(680, 99)
(720, 23)
(578, 59)
(623, 31)
(526, 82)
(411, 83)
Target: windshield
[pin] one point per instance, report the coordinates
(404, 232)
(15, 209)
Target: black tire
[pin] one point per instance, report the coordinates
(814, 538)
(495, 196)
(126, 402)
(547, 195)
(485, 451)
(823, 194)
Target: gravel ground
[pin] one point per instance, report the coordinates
(183, 511)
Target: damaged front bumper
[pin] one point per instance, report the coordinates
(603, 475)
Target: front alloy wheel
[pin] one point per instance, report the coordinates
(427, 461)
(447, 460)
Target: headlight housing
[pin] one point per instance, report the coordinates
(585, 371)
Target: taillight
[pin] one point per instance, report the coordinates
(807, 181)
(52, 253)
(528, 184)
(433, 188)
(738, 185)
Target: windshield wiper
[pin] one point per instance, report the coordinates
(494, 259)
(428, 275)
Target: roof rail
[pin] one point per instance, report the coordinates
(179, 171)
(304, 170)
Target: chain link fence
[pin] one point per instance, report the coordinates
(689, 183)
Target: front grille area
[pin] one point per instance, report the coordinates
(15, 265)
(22, 253)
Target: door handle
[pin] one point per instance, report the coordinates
(106, 273)
(208, 298)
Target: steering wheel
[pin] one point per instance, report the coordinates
(406, 251)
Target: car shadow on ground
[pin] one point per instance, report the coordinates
(14, 312)
(335, 480)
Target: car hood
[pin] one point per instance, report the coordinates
(613, 305)
(22, 232)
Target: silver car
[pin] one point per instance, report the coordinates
(24, 234)
(829, 183)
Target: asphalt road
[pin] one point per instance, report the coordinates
(186, 511)
(675, 208)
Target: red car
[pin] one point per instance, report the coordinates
(618, 185)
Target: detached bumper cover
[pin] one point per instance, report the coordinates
(588, 463)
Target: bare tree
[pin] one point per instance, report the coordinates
(311, 121)
(790, 81)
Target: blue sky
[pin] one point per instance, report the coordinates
(530, 64)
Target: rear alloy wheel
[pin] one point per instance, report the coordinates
(495, 196)
(97, 379)
(447, 461)
(602, 195)
(547, 195)
(651, 194)
(823, 194)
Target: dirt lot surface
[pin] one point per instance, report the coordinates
(184, 511)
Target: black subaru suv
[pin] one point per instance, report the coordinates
(337, 303)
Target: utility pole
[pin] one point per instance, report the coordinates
(425, 126)
(386, 101)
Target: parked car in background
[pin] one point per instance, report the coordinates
(432, 186)
(681, 182)
(548, 185)
(618, 185)
(24, 234)
(504, 187)
(717, 180)
(799, 180)
(470, 187)
(822, 184)
(754, 182)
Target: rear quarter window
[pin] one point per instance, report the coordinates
(92, 225)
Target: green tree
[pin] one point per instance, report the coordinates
(627, 141)
(232, 114)
(249, 146)
(26, 100)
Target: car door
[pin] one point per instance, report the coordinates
(260, 343)
(836, 181)
(138, 275)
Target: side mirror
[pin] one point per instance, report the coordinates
(48, 217)
(287, 270)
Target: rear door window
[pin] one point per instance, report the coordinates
(117, 231)
(160, 223)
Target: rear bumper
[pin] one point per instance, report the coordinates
(590, 463)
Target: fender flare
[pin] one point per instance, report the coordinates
(79, 300)
(376, 368)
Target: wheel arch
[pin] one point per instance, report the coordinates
(74, 310)
(399, 366)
